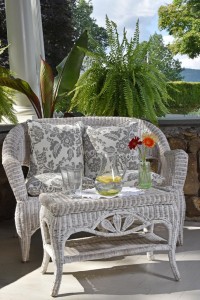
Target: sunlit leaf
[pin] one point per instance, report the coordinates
(69, 68)
(46, 87)
(24, 88)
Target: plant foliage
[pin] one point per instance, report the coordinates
(52, 90)
(82, 20)
(163, 58)
(6, 97)
(121, 82)
(181, 19)
(185, 97)
(58, 29)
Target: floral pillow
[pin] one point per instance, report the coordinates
(113, 139)
(54, 146)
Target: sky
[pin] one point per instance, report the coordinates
(125, 14)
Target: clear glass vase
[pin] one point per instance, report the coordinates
(109, 181)
(144, 176)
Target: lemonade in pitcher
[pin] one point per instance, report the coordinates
(110, 180)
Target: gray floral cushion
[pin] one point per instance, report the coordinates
(113, 139)
(131, 178)
(50, 182)
(54, 146)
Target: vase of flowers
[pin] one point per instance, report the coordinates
(144, 175)
(148, 141)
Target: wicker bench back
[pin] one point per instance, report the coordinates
(21, 140)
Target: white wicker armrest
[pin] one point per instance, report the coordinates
(15, 176)
(176, 168)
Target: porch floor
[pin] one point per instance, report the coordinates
(126, 278)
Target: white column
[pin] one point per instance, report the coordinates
(24, 32)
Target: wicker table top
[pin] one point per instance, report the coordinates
(60, 204)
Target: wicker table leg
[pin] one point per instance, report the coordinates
(172, 261)
(57, 239)
(45, 262)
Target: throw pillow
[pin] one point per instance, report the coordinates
(54, 146)
(113, 139)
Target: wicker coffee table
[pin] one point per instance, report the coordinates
(119, 226)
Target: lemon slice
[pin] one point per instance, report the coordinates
(108, 179)
(110, 192)
(117, 179)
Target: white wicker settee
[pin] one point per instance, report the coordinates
(16, 153)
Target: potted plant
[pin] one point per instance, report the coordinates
(121, 82)
(52, 89)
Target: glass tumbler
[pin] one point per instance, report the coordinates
(72, 181)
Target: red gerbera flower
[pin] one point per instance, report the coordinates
(134, 143)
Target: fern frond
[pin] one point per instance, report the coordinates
(122, 81)
(6, 105)
(128, 96)
(136, 36)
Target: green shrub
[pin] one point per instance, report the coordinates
(185, 95)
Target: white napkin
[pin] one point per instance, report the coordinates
(125, 192)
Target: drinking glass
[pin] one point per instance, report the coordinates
(72, 181)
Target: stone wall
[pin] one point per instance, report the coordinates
(186, 135)
(180, 134)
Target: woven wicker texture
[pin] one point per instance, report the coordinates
(16, 153)
(60, 205)
(122, 226)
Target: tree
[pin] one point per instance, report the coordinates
(161, 56)
(83, 21)
(63, 22)
(4, 61)
(182, 20)
(58, 29)
(6, 96)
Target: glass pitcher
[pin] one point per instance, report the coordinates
(109, 181)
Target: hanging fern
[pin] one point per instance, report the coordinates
(121, 82)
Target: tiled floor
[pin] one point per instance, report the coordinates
(126, 278)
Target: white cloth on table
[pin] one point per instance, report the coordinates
(125, 192)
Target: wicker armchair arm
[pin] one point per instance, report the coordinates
(15, 176)
(176, 168)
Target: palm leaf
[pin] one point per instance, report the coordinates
(24, 88)
(69, 68)
(46, 88)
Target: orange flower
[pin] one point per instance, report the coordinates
(149, 140)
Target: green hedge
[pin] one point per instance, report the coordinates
(185, 97)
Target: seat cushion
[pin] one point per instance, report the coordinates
(113, 139)
(54, 146)
(50, 182)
